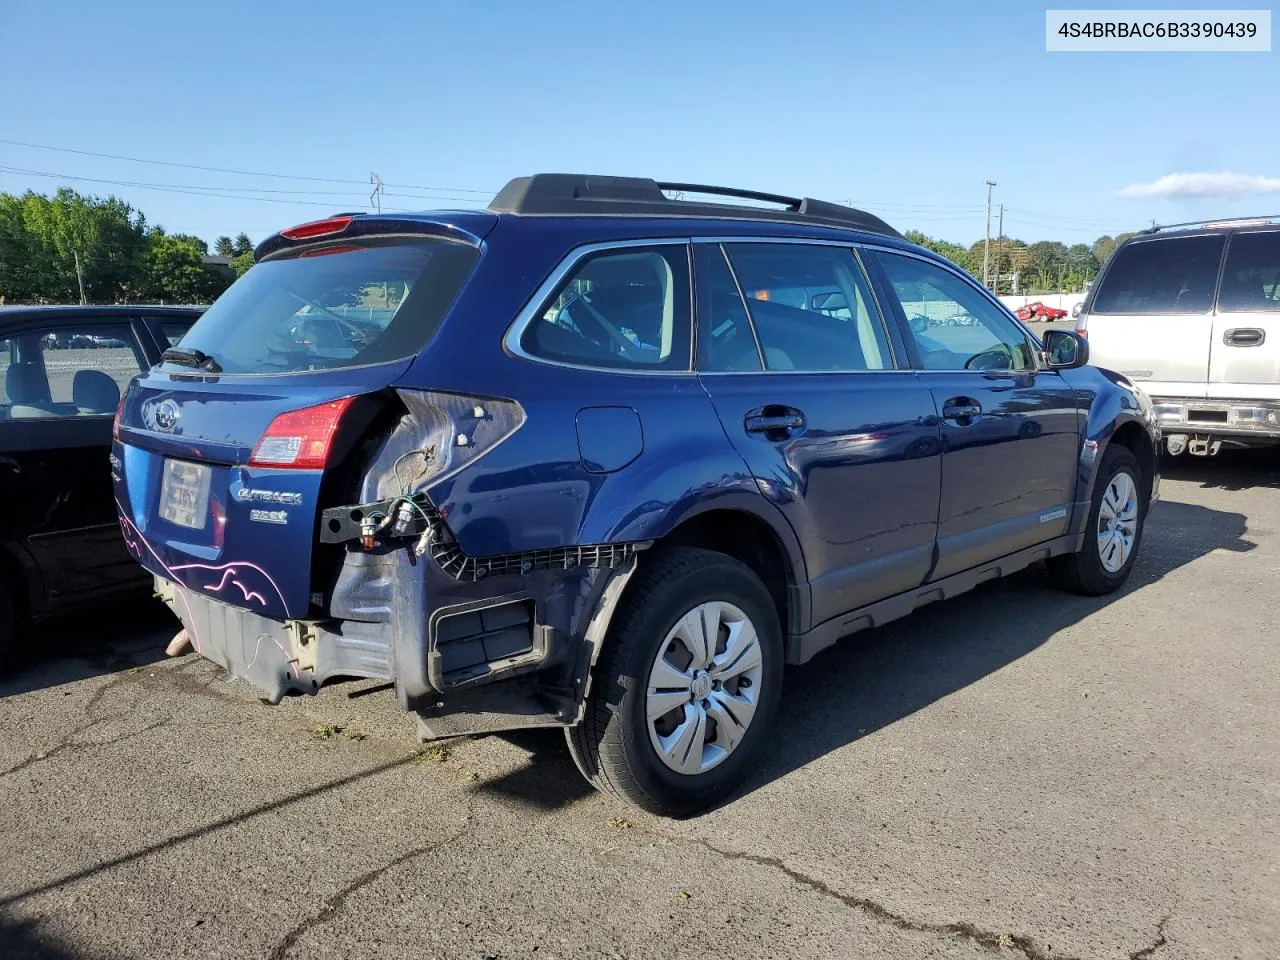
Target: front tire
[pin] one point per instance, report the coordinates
(686, 687)
(1113, 532)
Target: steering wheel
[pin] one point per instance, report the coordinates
(625, 347)
(998, 357)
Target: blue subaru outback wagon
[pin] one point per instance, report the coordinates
(602, 459)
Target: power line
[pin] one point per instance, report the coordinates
(194, 186)
(1053, 216)
(1048, 225)
(219, 192)
(160, 187)
(243, 173)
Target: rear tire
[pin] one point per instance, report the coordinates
(666, 728)
(1111, 541)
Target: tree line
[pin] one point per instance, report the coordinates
(1046, 266)
(70, 248)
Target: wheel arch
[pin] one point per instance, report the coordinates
(1134, 437)
(732, 524)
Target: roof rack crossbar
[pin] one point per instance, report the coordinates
(791, 203)
(1212, 221)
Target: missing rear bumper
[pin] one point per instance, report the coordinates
(277, 657)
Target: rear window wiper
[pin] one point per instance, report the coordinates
(191, 357)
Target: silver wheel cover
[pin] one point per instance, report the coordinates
(1117, 522)
(703, 688)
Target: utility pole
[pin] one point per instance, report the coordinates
(79, 277)
(986, 242)
(375, 198)
(999, 248)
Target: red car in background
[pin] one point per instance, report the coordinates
(1035, 310)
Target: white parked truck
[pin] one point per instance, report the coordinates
(1191, 313)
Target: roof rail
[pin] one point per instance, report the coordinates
(1220, 222)
(552, 194)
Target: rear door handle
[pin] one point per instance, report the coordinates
(1244, 337)
(775, 422)
(10, 464)
(963, 410)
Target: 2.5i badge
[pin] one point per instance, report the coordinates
(269, 516)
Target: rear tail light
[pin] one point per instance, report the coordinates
(115, 424)
(300, 439)
(1082, 332)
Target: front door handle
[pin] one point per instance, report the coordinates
(774, 421)
(1244, 337)
(10, 464)
(962, 410)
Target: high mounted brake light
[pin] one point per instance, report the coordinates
(300, 439)
(317, 228)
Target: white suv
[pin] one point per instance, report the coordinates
(1192, 314)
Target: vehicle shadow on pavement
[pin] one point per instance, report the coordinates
(99, 641)
(549, 781)
(1230, 470)
(23, 940)
(878, 677)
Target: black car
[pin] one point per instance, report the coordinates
(62, 371)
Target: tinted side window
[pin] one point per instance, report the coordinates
(954, 326)
(1171, 275)
(1251, 277)
(725, 340)
(66, 371)
(626, 309)
(810, 306)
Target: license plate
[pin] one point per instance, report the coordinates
(184, 494)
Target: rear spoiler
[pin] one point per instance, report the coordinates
(470, 229)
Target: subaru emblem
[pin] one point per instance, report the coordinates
(166, 415)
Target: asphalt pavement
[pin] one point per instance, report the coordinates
(1015, 773)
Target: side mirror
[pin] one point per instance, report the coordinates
(1065, 349)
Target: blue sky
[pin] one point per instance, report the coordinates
(905, 108)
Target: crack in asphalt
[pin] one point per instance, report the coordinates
(1160, 941)
(202, 831)
(986, 939)
(67, 746)
(174, 678)
(333, 904)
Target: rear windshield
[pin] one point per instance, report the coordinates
(341, 306)
(1174, 275)
(1251, 277)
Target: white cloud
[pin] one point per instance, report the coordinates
(1222, 184)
